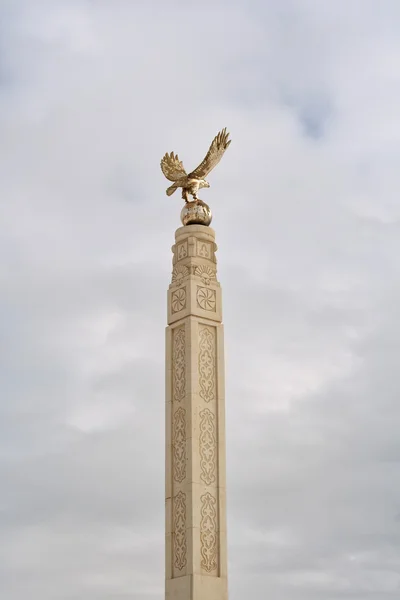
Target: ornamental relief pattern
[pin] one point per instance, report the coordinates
(178, 300)
(207, 362)
(204, 249)
(208, 447)
(179, 365)
(179, 445)
(180, 545)
(182, 251)
(208, 533)
(206, 273)
(178, 274)
(206, 299)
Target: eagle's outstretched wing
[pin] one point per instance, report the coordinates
(172, 167)
(213, 156)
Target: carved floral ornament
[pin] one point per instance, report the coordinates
(206, 365)
(208, 446)
(209, 533)
(204, 249)
(182, 250)
(178, 274)
(180, 546)
(179, 445)
(206, 273)
(179, 365)
(206, 299)
(178, 300)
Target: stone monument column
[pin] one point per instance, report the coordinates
(195, 561)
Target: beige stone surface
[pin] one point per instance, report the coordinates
(195, 483)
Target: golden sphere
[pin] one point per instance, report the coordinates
(196, 212)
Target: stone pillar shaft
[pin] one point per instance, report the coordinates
(196, 563)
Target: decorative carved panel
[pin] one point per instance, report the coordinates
(209, 533)
(180, 544)
(206, 273)
(178, 300)
(179, 445)
(178, 365)
(178, 273)
(204, 249)
(208, 447)
(206, 298)
(182, 250)
(207, 359)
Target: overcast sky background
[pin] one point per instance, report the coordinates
(307, 216)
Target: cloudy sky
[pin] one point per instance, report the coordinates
(307, 217)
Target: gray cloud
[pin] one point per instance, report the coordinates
(307, 218)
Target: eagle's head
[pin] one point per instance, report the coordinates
(203, 183)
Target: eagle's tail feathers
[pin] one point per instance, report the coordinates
(172, 189)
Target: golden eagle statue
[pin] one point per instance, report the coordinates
(173, 168)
